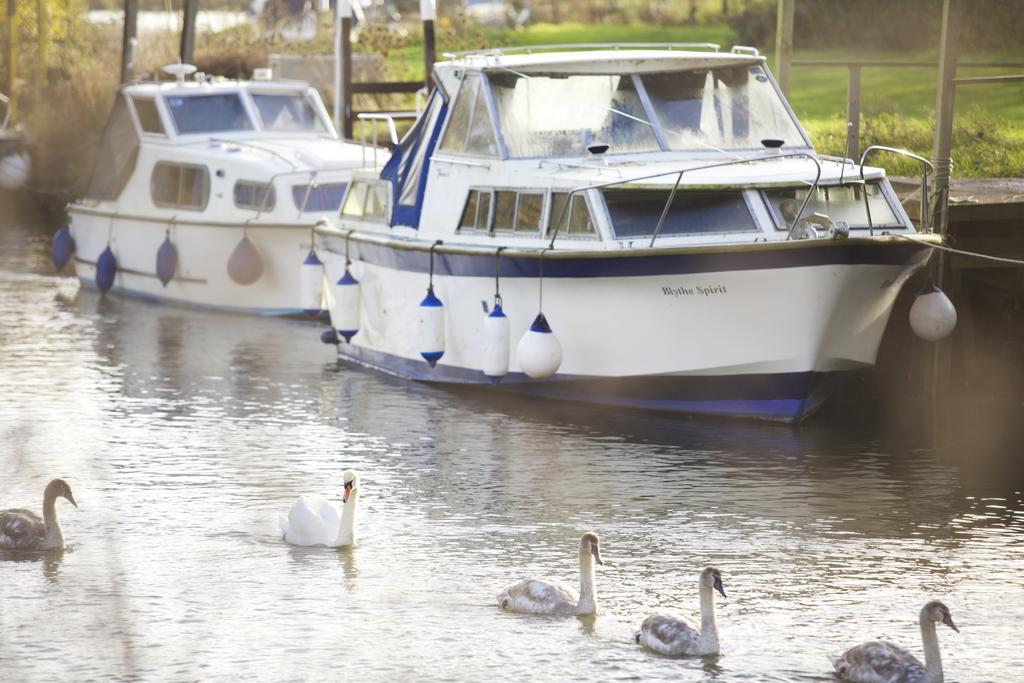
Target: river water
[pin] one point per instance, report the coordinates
(185, 434)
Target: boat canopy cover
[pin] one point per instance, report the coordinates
(406, 170)
(118, 152)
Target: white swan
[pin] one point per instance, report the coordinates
(672, 636)
(22, 529)
(313, 520)
(534, 596)
(883, 662)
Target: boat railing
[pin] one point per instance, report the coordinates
(926, 168)
(679, 173)
(569, 47)
(259, 148)
(389, 118)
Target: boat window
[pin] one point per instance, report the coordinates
(180, 186)
(481, 134)
(504, 210)
(215, 113)
(355, 200)
(289, 113)
(318, 198)
(536, 121)
(119, 150)
(469, 127)
(574, 220)
(635, 213)
(250, 194)
(528, 212)
(849, 204)
(149, 117)
(476, 214)
(725, 108)
(366, 200)
(376, 201)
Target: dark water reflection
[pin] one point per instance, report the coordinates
(185, 434)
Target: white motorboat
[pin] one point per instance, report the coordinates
(205, 191)
(643, 227)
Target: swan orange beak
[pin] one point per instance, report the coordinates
(347, 491)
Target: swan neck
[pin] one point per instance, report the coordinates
(932, 658)
(588, 591)
(347, 530)
(52, 519)
(708, 628)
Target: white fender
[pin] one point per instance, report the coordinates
(539, 352)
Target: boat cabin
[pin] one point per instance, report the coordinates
(229, 149)
(600, 149)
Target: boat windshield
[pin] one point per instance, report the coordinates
(213, 113)
(288, 112)
(858, 206)
(725, 108)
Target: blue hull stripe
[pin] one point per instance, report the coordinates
(785, 397)
(757, 257)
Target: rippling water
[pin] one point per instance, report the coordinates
(184, 434)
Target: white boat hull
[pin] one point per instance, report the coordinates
(755, 332)
(201, 278)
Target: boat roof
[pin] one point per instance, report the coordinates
(631, 59)
(209, 85)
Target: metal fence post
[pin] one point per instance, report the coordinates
(343, 68)
(853, 112)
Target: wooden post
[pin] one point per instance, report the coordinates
(952, 12)
(784, 43)
(188, 30)
(42, 38)
(12, 54)
(428, 13)
(128, 40)
(343, 68)
(853, 112)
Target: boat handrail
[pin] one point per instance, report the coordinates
(253, 145)
(926, 167)
(387, 116)
(568, 47)
(744, 50)
(679, 173)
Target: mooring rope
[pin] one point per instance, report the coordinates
(962, 252)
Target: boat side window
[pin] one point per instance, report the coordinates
(636, 212)
(287, 112)
(149, 117)
(848, 204)
(574, 220)
(476, 214)
(366, 201)
(355, 200)
(529, 209)
(469, 128)
(180, 186)
(318, 198)
(222, 112)
(504, 210)
(257, 196)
